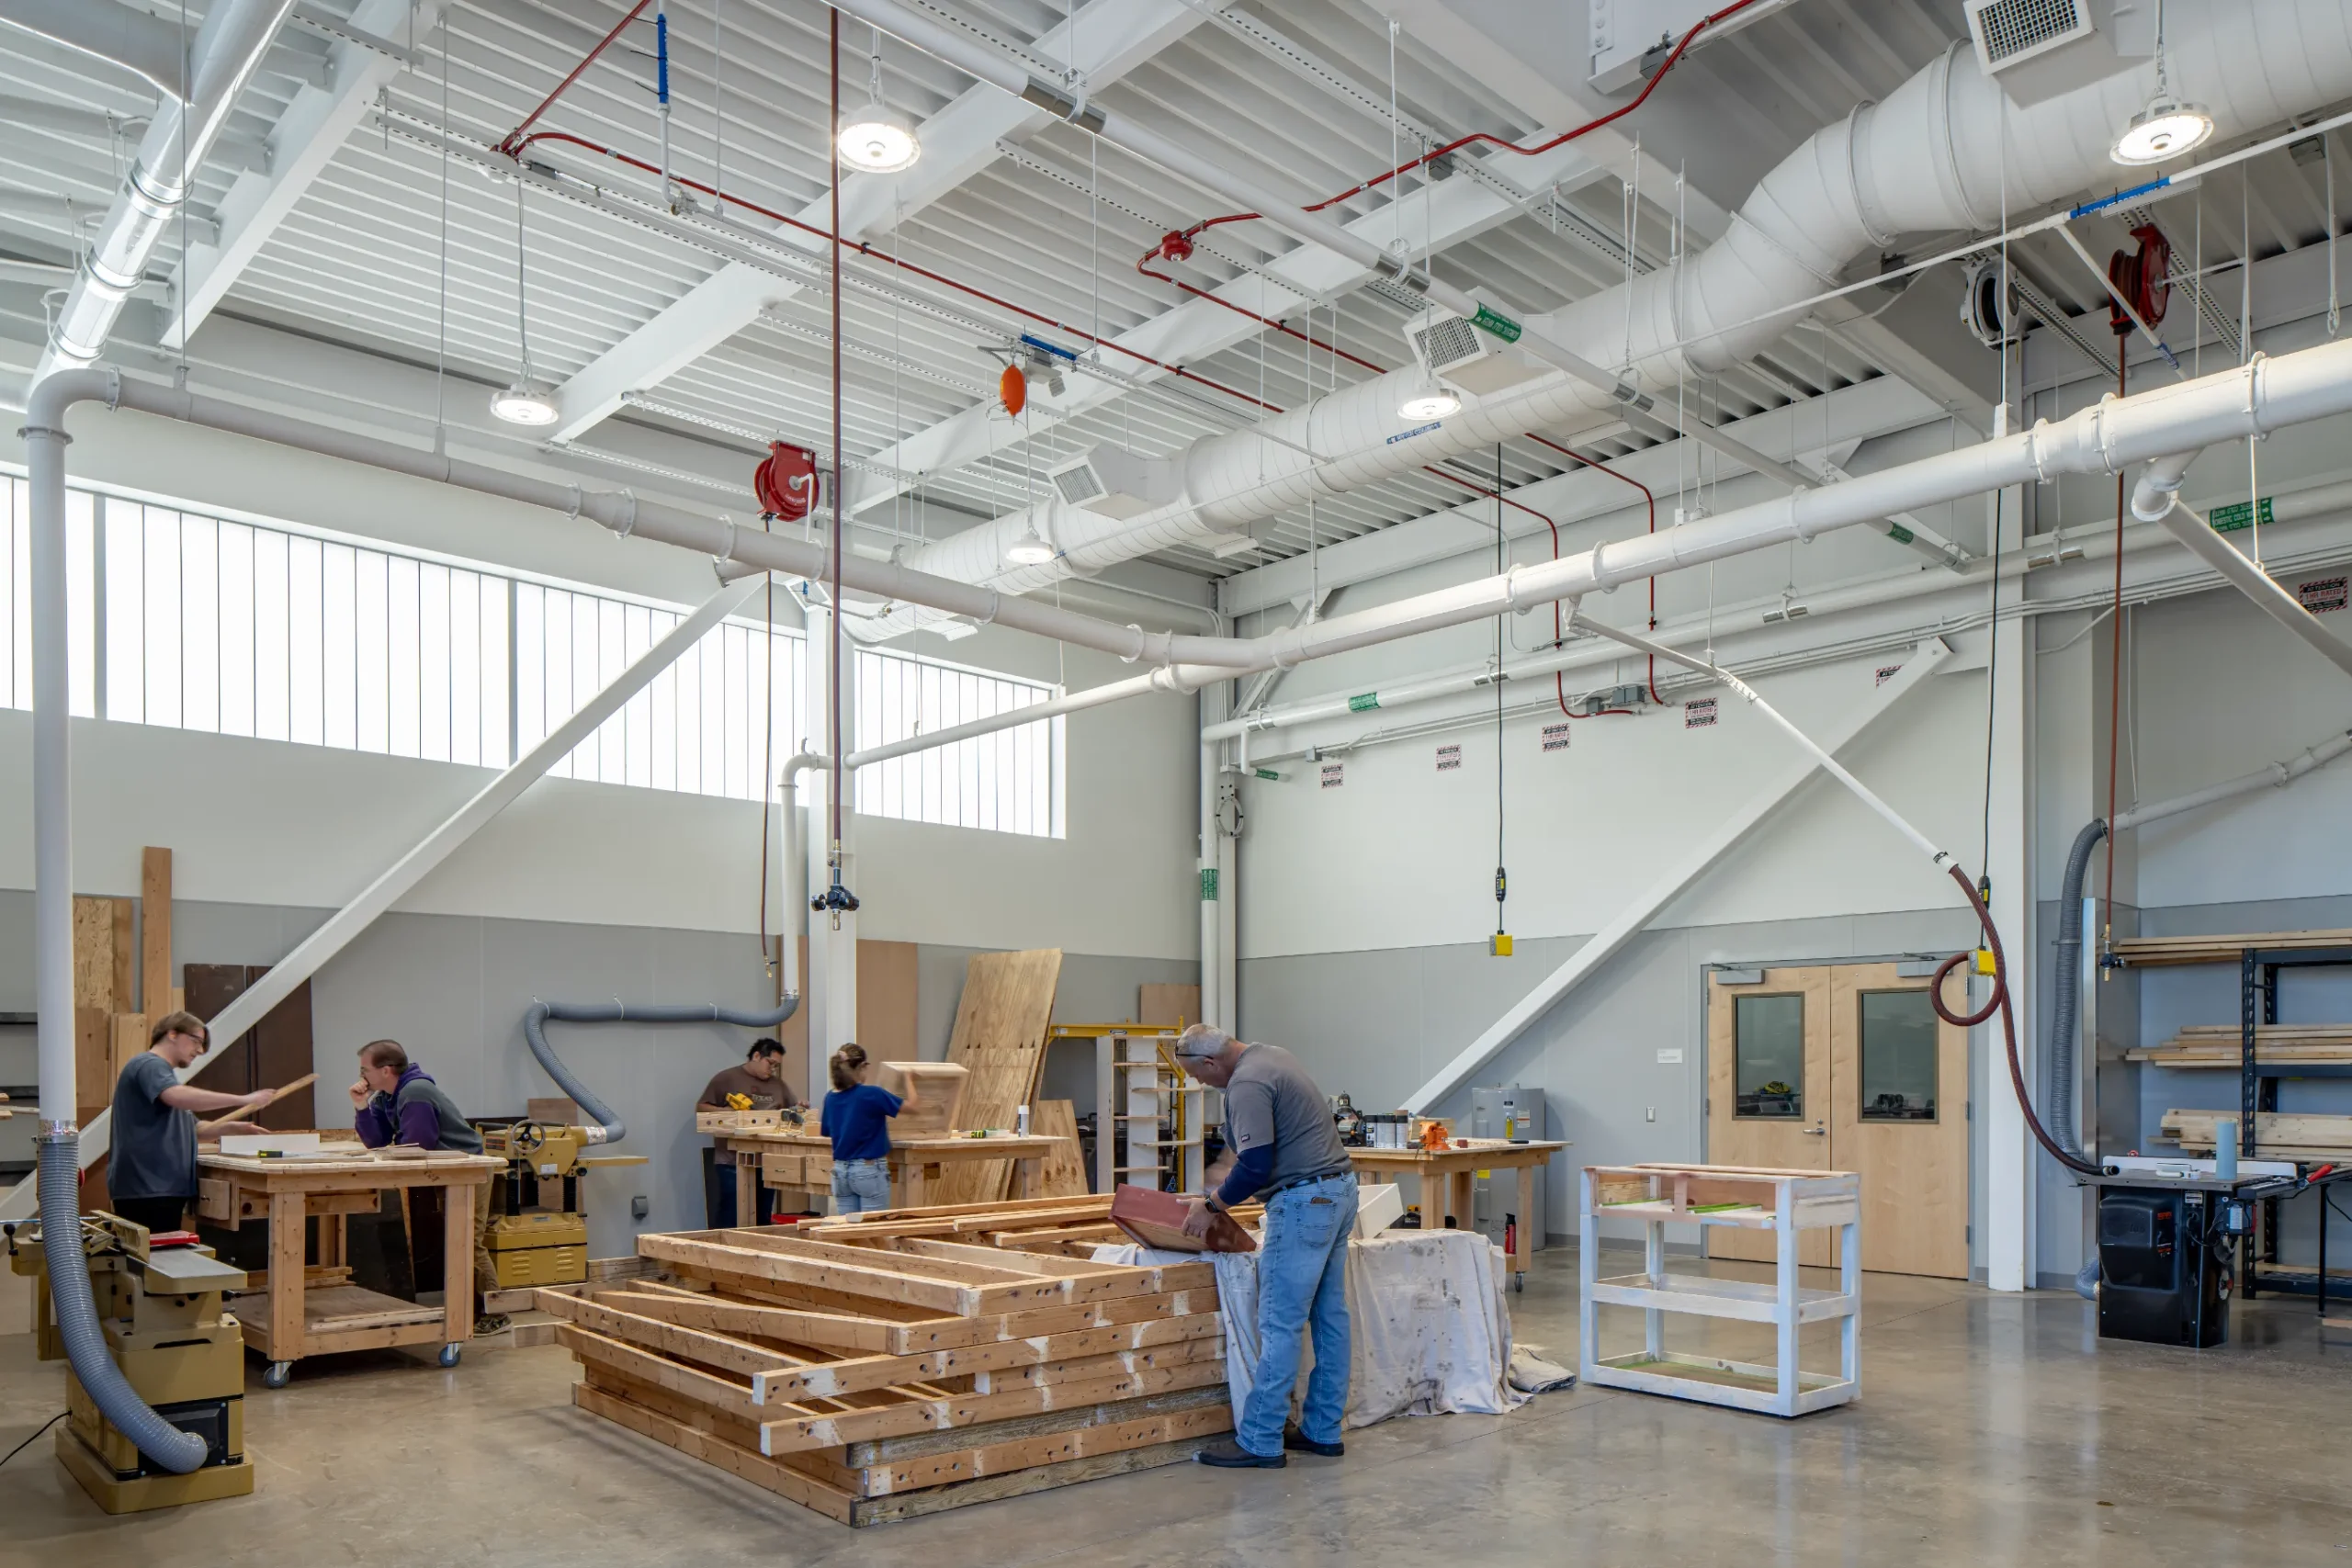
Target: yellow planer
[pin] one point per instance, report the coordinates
(538, 1230)
(161, 1310)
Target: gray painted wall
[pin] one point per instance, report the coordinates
(453, 988)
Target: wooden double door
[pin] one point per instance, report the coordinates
(1844, 1067)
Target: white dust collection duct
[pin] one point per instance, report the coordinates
(222, 59)
(1928, 158)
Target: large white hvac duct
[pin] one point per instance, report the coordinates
(1947, 150)
(222, 59)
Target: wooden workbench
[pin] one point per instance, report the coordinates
(285, 1192)
(1447, 1175)
(802, 1161)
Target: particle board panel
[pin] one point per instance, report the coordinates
(1169, 1005)
(1064, 1174)
(999, 1040)
(101, 953)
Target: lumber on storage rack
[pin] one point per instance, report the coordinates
(2222, 1046)
(2145, 951)
(916, 1370)
(999, 1040)
(2278, 1135)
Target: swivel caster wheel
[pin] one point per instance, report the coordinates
(449, 1354)
(277, 1374)
(1519, 1282)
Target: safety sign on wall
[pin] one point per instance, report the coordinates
(1334, 774)
(1449, 757)
(1887, 673)
(1555, 738)
(2322, 594)
(1698, 715)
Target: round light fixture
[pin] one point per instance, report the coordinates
(525, 402)
(879, 139)
(2165, 128)
(1030, 549)
(1431, 400)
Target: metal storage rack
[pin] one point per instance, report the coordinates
(2260, 959)
(1149, 1116)
(1784, 1202)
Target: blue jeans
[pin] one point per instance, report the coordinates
(1302, 1281)
(860, 1185)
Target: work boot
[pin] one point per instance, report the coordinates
(1226, 1454)
(1299, 1443)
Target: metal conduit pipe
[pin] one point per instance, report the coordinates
(227, 49)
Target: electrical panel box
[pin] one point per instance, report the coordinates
(1495, 1200)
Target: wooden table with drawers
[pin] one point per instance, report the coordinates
(287, 1191)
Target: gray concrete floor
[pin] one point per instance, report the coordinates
(1990, 1429)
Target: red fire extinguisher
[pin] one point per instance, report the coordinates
(1511, 1236)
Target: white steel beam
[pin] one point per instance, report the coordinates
(1611, 939)
(1109, 38)
(1456, 211)
(311, 953)
(307, 134)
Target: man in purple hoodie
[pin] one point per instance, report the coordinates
(396, 1102)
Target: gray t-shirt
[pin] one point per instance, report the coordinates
(153, 1146)
(1271, 1101)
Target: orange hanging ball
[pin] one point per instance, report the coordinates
(1014, 388)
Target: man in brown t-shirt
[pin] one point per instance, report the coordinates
(760, 1080)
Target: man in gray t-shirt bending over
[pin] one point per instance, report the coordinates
(1288, 1147)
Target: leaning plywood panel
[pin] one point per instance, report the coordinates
(999, 1040)
(1064, 1174)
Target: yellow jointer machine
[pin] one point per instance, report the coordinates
(160, 1308)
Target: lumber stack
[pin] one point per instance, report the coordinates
(920, 1369)
(2221, 1045)
(2278, 1135)
(2146, 952)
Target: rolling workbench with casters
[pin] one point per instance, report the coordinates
(302, 1316)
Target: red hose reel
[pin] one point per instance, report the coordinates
(786, 483)
(2144, 276)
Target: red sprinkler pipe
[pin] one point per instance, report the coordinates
(1649, 499)
(875, 253)
(514, 141)
(1184, 236)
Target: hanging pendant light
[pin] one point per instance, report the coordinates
(1030, 549)
(529, 400)
(2169, 126)
(1431, 399)
(877, 139)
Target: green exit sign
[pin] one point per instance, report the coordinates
(2241, 515)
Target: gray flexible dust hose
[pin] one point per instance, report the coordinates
(77, 1316)
(2066, 1007)
(613, 1128)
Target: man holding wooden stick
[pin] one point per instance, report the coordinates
(1287, 1148)
(151, 1170)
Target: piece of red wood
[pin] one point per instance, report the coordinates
(1156, 1219)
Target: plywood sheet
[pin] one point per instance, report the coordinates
(1171, 1005)
(154, 930)
(885, 1012)
(1062, 1174)
(939, 1107)
(94, 964)
(1000, 1039)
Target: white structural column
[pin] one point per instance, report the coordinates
(1106, 40)
(830, 989)
(1454, 211)
(2011, 1156)
(307, 134)
(1607, 943)
(312, 953)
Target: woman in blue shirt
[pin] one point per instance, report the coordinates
(857, 1117)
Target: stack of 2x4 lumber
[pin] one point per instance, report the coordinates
(2278, 1135)
(1070, 1227)
(2147, 952)
(2222, 1046)
(906, 1376)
